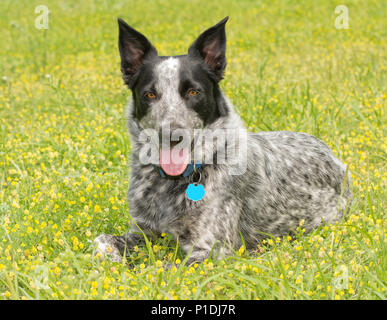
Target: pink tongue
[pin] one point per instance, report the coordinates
(174, 162)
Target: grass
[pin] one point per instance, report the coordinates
(64, 149)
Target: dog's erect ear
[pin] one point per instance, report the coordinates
(134, 48)
(211, 47)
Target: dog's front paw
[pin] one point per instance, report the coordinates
(105, 247)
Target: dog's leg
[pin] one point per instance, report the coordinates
(215, 234)
(115, 247)
(217, 251)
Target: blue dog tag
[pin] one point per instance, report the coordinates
(195, 192)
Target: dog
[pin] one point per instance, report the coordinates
(288, 177)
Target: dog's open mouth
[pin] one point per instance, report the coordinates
(174, 160)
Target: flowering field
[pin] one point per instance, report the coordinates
(64, 149)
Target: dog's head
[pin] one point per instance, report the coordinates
(174, 92)
(174, 88)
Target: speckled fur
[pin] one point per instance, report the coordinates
(289, 177)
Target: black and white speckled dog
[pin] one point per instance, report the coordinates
(289, 176)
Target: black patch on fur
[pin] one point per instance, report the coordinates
(135, 50)
(210, 47)
(209, 103)
(144, 81)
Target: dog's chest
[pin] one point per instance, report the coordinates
(160, 203)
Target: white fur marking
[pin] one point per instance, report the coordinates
(168, 83)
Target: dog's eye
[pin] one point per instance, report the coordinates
(193, 92)
(150, 95)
